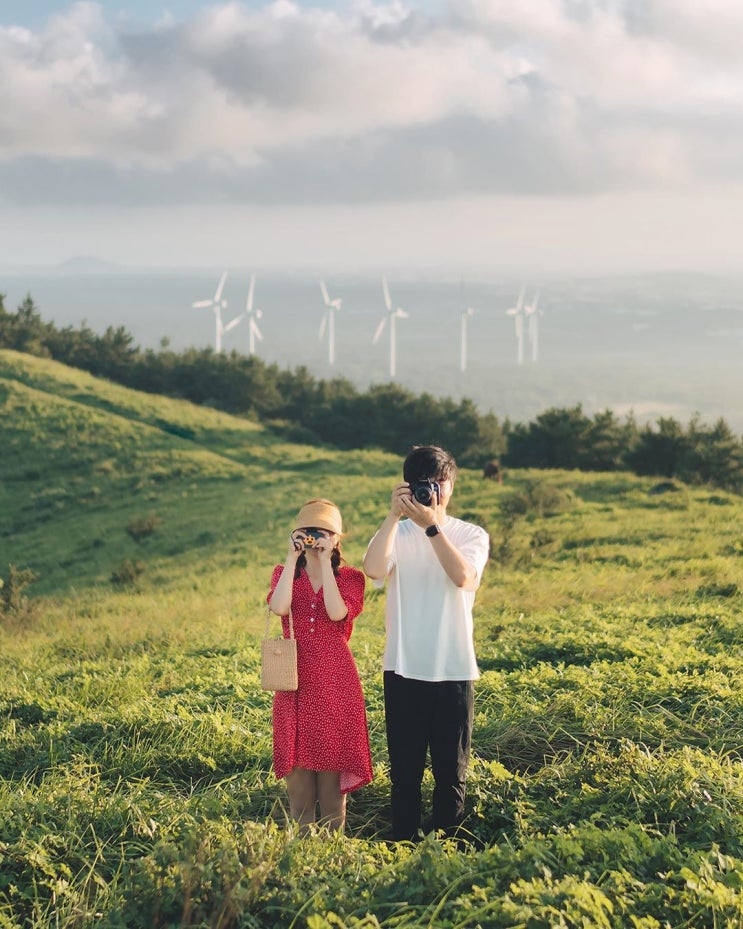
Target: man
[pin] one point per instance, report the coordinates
(434, 563)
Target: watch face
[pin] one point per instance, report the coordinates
(432, 531)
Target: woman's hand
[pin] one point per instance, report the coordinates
(324, 548)
(296, 547)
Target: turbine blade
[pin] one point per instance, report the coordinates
(249, 304)
(220, 286)
(386, 290)
(324, 291)
(201, 304)
(255, 330)
(380, 330)
(232, 323)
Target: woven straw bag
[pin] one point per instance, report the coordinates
(279, 659)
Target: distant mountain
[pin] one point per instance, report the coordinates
(85, 264)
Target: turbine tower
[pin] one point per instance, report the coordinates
(328, 321)
(392, 316)
(217, 304)
(518, 317)
(463, 317)
(532, 312)
(253, 331)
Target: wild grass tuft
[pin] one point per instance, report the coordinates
(136, 788)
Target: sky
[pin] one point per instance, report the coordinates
(448, 135)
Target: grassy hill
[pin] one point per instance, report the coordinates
(606, 787)
(83, 457)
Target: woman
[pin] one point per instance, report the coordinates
(320, 737)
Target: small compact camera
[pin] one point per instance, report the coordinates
(310, 537)
(424, 491)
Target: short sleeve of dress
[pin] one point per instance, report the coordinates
(351, 586)
(277, 572)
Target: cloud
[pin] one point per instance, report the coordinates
(291, 104)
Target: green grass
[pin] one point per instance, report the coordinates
(606, 786)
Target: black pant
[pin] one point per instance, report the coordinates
(420, 715)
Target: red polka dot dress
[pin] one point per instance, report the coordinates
(322, 725)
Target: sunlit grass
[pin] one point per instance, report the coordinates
(135, 743)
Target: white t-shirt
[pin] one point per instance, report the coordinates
(428, 618)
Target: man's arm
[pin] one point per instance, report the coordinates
(459, 570)
(378, 553)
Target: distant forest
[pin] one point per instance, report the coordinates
(334, 412)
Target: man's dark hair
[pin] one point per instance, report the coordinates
(429, 461)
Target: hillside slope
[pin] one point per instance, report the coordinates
(82, 458)
(605, 783)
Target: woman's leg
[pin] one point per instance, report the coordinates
(302, 787)
(332, 801)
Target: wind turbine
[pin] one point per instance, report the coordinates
(328, 320)
(532, 313)
(217, 304)
(463, 317)
(252, 315)
(232, 323)
(518, 317)
(392, 316)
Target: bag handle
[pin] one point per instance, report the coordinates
(268, 622)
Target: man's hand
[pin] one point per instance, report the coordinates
(400, 494)
(407, 505)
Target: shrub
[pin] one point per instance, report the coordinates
(12, 601)
(505, 552)
(142, 527)
(127, 573)
(538, 498)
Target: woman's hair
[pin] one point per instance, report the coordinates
(336, 558)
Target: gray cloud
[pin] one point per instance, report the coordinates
(289, 105)
(455, 156)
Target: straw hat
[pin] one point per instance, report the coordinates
(320, 514)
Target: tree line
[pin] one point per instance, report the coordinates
(387, 416)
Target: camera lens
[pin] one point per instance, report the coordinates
(424, 491)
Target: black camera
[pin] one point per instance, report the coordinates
(424, 491)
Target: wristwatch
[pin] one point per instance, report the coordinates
(432, 531)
